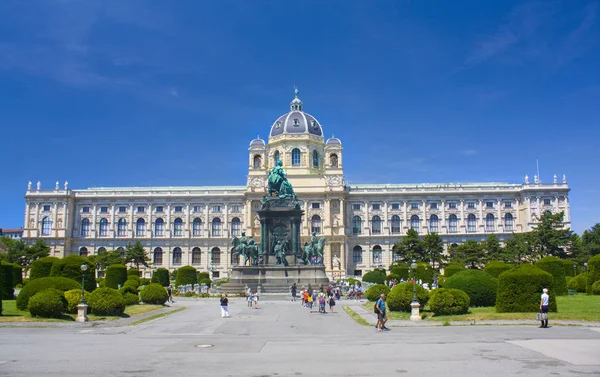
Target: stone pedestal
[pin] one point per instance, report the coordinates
(274, 279)
(414, 311)
(82, 313)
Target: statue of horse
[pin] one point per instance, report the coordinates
(314, 250)
(240, 248)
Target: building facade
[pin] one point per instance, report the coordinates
(194, 225)
(15, 234)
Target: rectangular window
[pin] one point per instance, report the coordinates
(316, 205)
(356, 207)
(395, 206)
(197, 208)
(46, 208)
(376, 207)
(178, 209)
(547, 202)
(236, 208)
(216, 208)
(159, 209)
(122, 209)
(433, 206)
(507, 204)
(141, 209)
(489, 204)
(85, 210)
(414, 205)
(216, 274)
(471, 205)
(103, 209)
(452, 205)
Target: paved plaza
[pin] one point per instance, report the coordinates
(284, 339)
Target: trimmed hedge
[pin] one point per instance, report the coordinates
(131, 283)
(375, 276)
(186, 275)
(424, 273)
(480, 286)
(6, 285)
(17, 276)
(161, 276)
(37, 285)
(452, 269)
(70, 267)
(115, 275)
(593, 274)
(596, 288)
(0, 307)
(154, 293)
(401, 296)
(106, 301)
(494, 269)
(448, 301)
(206, 281)
(73, 299)
(555, 267)
(133, 272)
(401, 270)
(48, 303)
(131, 299)
(578, 283)
(145, 281)
(568, 266)
(41, 268)
(128, 289)
(519, 290)
(392, 277)
(376, 290)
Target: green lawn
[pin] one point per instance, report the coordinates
(570, 308)
(10, 313)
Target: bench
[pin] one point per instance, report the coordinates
(572, 292)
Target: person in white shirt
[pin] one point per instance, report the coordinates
(544, 307)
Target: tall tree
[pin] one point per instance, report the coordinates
(433, 247)
(469, 253)
(19, 252)
(411, 247)
(550, 237)
(105, 258)
(591, 240)
(137, 255)
(492, 248)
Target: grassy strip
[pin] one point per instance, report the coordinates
(130, 311)
(355, 316)
(151, 318)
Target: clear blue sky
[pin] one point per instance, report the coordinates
(136, 93)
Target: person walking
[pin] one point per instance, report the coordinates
(545, 299)
(256, 297)
(293, 289)
(250, 299)
(331, 304)
(170, 293)
(381, 315)
(224, 306)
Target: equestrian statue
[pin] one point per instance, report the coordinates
(314, 249)
(247, 248)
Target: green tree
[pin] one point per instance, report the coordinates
(518, 249)
(137, 255)
(433, 247)
(22, 254)
(106, 258)
(469, 253)
(576, 250)
(411, 247)
(591, 240)
(492, 248)
(550, 236)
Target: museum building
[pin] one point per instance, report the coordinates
(194, 225)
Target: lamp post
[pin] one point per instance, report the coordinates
(414, 305)
(574, 269)
(585, 265)
(82, 307)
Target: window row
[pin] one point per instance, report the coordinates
(432, 205)
(297, 159)
(176, 256)
(161, 209)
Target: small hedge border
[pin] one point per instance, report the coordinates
(555, 267)
(519, 290)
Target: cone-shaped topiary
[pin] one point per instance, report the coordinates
(41, 268)
(116, 274)
(494, 269)
(37, 285)
(448, 301)
(480, 286)
(161, 276)
(519, 290)
(451, 269)
(186, 275)
(70, 267)
(154, 293)
(133, 272)
(593, 274)
(554, 266)
(401, 296)
(375, 291)
(424, 273)
(571, 267)
(48, 303)
(106, 301)
(17, 277)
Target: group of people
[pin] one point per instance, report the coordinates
(252, 298)
(323, 297)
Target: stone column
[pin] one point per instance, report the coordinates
(481, 220)
(444, 224)
(463, 221)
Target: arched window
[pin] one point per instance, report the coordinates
(103, 228)
(357, 254)
(434, 224)
(376, 225)
(295, 157)
(508, 222)
(215, 256)
(177, 256)
(178, 227)
(217, 227)
(46, 226)
(415, 222)
(276, 157)
(121, 251)
(471, 223)
(377, 255)
(452, 224)
(197, 227)
(490, 223)
(101, 249)
(85, 227)
(159, 227)
(236, 227)
(257, 161)
(315, 224)
(83, 252)
(396, 256)
(333, 160)
(196, 255)
(158, 256)
(235, 257)
(140, 227)
(315, 159)
(356, 225)
(122, 227)
(396, 224)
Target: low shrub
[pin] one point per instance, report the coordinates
(593, 274)
(494, 269)
(401, 296)
(48, 303)
(131, 283)
(555, 267)
(519, 290)
(400, 270)
(100, 282)
(452, 269)
(115, 276)
(6, 285)
(154, 293)
(41, 268)
(186, 275)
(161, 276)
(424, 273)
(596, 288)
(131, 299)
(37, 285)
(106, 301)
(375, 276)
(128, 289)
(392, 276)
(571, 267)
(221, 282)
(206, 281)
(70, 267)
(375, 291)
(144, 281)
(578, 283)
(448, 301)
(73, 299)
(133, 272)
(480, 286)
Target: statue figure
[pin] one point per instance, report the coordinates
(336, 262)
(278, 183)
(39, 185)
(66, 185)
(536, 179)
(565, 179)
(334, 161)
(314, 249)
(29, 186)
(280, 254)
(240, 247)
(252, 251)
(555, 179)
(526, 179)
(256, 222)
(56, 186)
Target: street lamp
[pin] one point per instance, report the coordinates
(84, 268)
(413, 266)
(574, 269)
(585, 265)
(414, 305)
(82, 307)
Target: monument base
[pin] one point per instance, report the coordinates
(275, 279)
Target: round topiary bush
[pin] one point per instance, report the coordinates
(448, 301)
(401, 296)
(131, 283)
(376, 290)
(593, 274)
(186, 275)
(133, 272)
(73, 299)
(115, 275)
(596, 288)
(578, 283)
(144, 281)
(37, 285)
(128, 289)
(571, 267)
(48, 303)
(400, 270)
(480, 286)
(154, 293)
(41, 268)
(205, 281)
(519, 290)
(494, 269)
(6, 285)
(106, 301)
(392, 277)
(161, 276)
(452, 269)
(131, 299)
(555, 267)
(70, 267)
(375, 276)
